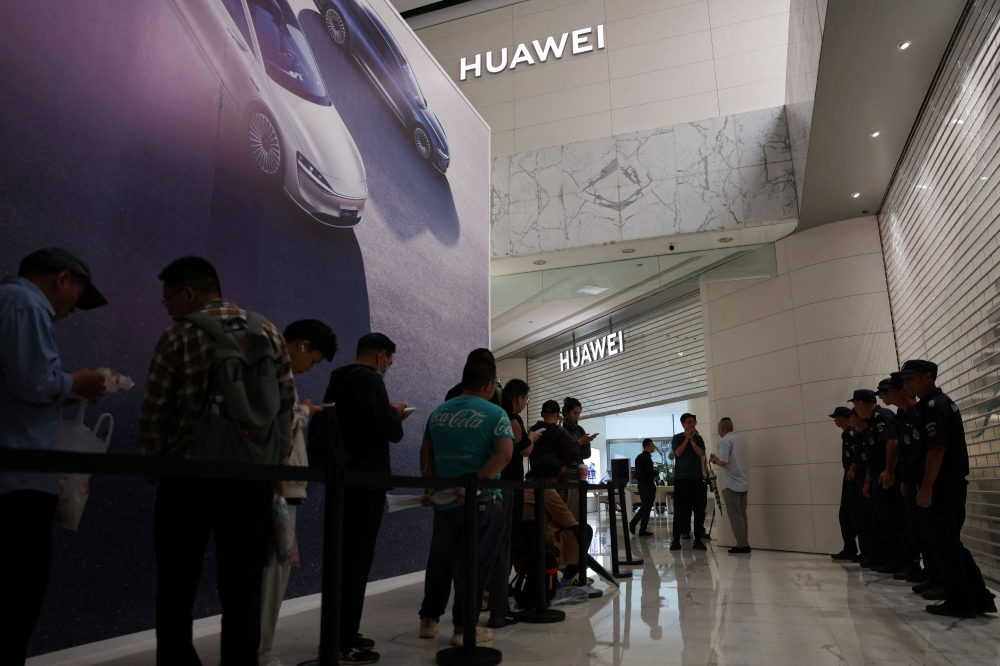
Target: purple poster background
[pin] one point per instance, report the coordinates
(120, 144)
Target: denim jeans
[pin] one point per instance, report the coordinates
(446, 560)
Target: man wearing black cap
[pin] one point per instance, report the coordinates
(928, 581)
(887, 503)
(942, 491)
(848, 530)
(872, 545)
(50, 285)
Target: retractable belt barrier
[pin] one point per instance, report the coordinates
(335, 476)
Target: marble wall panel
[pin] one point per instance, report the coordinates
(707, 175)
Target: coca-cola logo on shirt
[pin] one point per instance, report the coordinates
(464, 418)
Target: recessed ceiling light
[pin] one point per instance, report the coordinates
(856, 195)
(539, 262)
(902, 46)
(982, 178)
(922, 187)
(957, 121)
(875, 133)
(726, 239)
(591, 290)
(680, 353)
(628, 250)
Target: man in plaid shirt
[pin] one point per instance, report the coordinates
(236, 512)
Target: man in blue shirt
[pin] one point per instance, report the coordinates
(465, 435)
(50, 284)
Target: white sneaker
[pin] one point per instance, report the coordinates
(483, 635)
(428, 627)
(268, 659)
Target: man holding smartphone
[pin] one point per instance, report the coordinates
(689, 482)
(369, 422)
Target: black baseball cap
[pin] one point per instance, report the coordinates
(56, 259)
(919, 366)
(864, 395)
(841, 411)
(893, 381)
(550, 407)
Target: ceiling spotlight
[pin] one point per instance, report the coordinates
(856, 195)
(875, 133)
(957, 121)
(539, 262)
(902, 46)
(982, 178)
(726, 239)
(922, 187)
(628, 250)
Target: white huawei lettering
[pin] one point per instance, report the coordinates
(595, 350)
(580, 41)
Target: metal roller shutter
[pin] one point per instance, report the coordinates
(940, 225)
(663, 361)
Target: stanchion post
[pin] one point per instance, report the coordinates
(540, 614)
(628, 542)
(470, 654)
(333, 527)
(613, 528)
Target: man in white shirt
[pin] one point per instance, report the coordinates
(734, 462)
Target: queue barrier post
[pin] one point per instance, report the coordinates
(613, 529)
(592, 593)
(629, 560)
(470, 653)
(540, 614)
(333, 528)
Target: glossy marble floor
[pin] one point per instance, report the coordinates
(691, 607)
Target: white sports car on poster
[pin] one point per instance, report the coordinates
(293, 131)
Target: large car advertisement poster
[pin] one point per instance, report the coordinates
(313, 151)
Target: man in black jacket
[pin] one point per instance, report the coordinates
(368, 423)
(645, 476)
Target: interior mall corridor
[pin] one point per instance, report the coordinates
(688, 607)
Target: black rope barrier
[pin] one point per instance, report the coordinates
(336, 477)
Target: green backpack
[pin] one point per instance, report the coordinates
(243, 419)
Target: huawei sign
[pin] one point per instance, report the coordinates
(579, 40)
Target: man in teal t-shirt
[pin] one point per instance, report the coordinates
(465, 435)
(689, 483)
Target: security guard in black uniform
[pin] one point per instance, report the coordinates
(887, 503)
(872, 548)
(841, 417)
(899, 468)
(929, 581)
(942, 491)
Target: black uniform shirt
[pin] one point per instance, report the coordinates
(940, 424)
(645, 473)
(848, 438)
(882, 426)
(862, 450)
(905, 448)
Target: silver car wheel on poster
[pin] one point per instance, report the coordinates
(264, 143)
(422, 142)
(335, 26)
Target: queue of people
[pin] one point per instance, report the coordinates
(904, 490)
(221, 387)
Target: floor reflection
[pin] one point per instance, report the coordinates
(702, 608)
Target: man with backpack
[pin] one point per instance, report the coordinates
(220, 387)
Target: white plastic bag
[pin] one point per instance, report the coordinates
(286, 548)
(75, 488)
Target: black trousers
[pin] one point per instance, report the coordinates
(647, 495)
(848, 531)
(861, 512)
(689, 497)
(25, 560)
(943, 522)
(893, 529)
(363, 512)
(237, 514)
(499, 585)
(913, 517)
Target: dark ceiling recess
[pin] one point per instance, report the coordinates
(433, 7)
